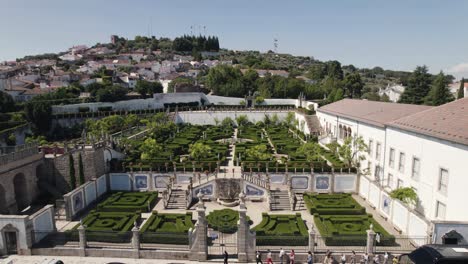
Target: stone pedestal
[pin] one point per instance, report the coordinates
(246, 241)
(83, 242)
(136, 242)
(370, 241)
(312, 239)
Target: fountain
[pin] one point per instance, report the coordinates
(228, 192)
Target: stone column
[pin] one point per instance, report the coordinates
(82, 238)
(136, 242)
(370, 240)
(332, 180)
(200, 247)
(312, 239)
(245, 245)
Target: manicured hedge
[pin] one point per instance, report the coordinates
(333, 204)
(281, 230)
(350, 230)
(113, 227)
(129, 202)
(224, 221)
(167, 228)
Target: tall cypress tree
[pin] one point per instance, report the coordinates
(461, 92)
(80, 170)
(71, 164)
(439, 94)
(419, 85)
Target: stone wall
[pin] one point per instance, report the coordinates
(93, 165)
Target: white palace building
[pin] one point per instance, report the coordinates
(415, 146)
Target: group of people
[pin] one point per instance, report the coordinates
(329, 259)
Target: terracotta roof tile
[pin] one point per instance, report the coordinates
(371, 112)
(447, 122)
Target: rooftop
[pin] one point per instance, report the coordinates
(371, 112)
(448, 122)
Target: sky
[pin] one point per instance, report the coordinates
(397, 34)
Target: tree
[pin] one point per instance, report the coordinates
(418, 86)
(258, 152)
(353, 85)
(311, 151)
(7, 104)
(439, 94)
(81, 170)
(150, 149)
(199, 150)
(461, 90)
(289, 120)
(148, 88)
(351, 151)
(333, 69)
(71, 167)
(405, 194)
(111, 94)
(226, 80)
(227, 122)
(242, 120)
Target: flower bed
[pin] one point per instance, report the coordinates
(129, 202)
(277, 230)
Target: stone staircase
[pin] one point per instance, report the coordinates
(300, 205)
(280, 200)
(177, 200)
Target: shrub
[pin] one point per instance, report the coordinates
(104, 108)
(83, 109)
(405, 194)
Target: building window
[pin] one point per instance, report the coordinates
(399, 184)
(390, 180)
(377, 151)
(371, 143)
(443, 181)
(415, 169)
(377, 173)
(401, 163)
(440, 210)
(391, 161)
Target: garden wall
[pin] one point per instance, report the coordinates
(403, 218)
(77, 200)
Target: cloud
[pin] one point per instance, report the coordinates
(460, 70)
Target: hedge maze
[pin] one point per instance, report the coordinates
(224, 221)
(342, 221)
(129, 202)
(167, 228)
(281, 230)
(111, 227)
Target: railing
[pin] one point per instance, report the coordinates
(340, 243)
(164, 238)
(255, 180)
(10, 154)
(402, 244)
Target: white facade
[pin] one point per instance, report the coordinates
(437, 169)
(393, 92)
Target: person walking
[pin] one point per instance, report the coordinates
(395, 260)
(281, 255)
(269, 260)
(310, 258)
(343, 258)
(385, 258)
(226, 256)
(353, 257)
(291, 256)
(365, 258)
(376, 259)
(258, 257)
